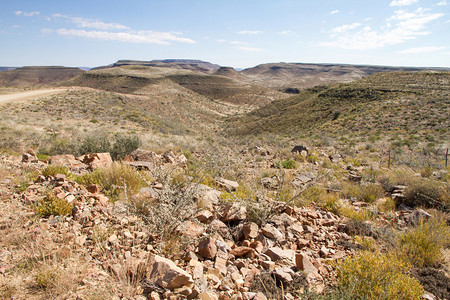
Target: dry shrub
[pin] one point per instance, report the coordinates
(365, 192)
(424, 192)
(52, 205)
(377, 276)
(423, 245)
(52, 170)
(117, 180)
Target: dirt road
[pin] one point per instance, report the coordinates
(28, 95)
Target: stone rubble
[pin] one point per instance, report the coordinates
(229, 251)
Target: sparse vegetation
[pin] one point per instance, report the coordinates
(340, 198)
(51, 205)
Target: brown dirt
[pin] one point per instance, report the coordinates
(434, 281)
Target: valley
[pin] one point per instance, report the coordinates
(184, 179)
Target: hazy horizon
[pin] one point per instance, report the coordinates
(239, 34)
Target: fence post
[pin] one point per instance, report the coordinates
(446, 158)
(389, 159)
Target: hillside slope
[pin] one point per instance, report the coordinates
(295, 76)
(37, 76)
(399, 102)
(138, 79)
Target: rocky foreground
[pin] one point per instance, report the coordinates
(217, 249)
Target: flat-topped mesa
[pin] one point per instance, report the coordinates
(188, 64)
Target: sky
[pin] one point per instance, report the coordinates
(235, 33)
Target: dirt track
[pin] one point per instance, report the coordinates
(28, 95)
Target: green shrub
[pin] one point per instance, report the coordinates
(114, 180)
(95, 143)
(289, 164)
(52, 205)
(118, 146)
(377, 276)
(52, 170)
(423, 245)
(364, 192)
(124, 145)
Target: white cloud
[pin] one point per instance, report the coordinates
(238, 43)
(402, 2)
(420, 50)
(400, 27)
(334, 11)
(287, 32)
(250, 32)
(251, 49)
(89, 23)
(143, 36)
(442, 3)
(346, 27)
(26, 14)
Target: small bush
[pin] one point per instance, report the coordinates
(52, 170)
(114, 180)
(289, 164)
(45, 277)
(124, 145)
(423, 244)
(375, 276)
(364, 192)
(52, 205)
(423, 192)
(118, 146)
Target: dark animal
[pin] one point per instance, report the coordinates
(299, 149)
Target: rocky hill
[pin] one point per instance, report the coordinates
(186, 64)
(139, 79)
(383, 102)
(7, 68)
(297, 76)
(37, 76)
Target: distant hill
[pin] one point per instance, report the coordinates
(291, 77)
(141, 80)
(7, 68)
(36, 76)
(187, 64)
(414, 103)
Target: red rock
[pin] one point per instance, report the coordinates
(96, 160)
(234, 212)
(93, 188)
(303, 263)
(271, 232)
(258, 246)
(165, 273)
(277, 254)
(207, 248)
(250, 230)
(241, 251)
(204, 216)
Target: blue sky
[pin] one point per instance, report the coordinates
(237, 33)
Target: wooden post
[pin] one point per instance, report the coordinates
(389, 159)
(446, 158)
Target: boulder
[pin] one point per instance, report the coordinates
(278, 254)
(303, 263)
(207, 248)
(250, 230)
(226, 184)
(96, 160)
(271, 232)
(234, 212)
(165, 273)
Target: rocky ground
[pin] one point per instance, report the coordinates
(181, 240)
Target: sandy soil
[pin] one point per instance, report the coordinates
(28, 95)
